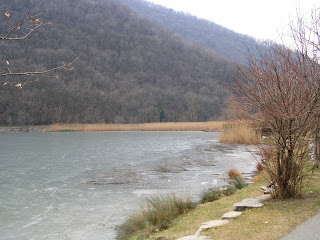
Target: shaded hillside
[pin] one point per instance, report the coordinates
(208, 34)
(130, 70)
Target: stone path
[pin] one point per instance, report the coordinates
(237, 207)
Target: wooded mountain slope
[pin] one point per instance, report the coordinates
(130, 70)
(200, 31)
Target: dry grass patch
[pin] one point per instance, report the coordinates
(240, 132)
(168, 126)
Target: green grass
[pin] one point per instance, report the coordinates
(210, 195)
(238, 182)
(273, 221)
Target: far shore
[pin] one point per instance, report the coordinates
(164, 126)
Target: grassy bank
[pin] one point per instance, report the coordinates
(170, 126)
(275, 220)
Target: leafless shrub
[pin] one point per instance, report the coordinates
(283, 86)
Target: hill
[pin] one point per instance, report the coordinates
(226, 42)
(130, 69)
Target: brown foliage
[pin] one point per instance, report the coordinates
(259, 166)
(233, 173)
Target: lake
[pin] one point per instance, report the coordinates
(82, 185)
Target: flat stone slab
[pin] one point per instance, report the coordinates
(264, 197)
(193, 237)
(213, 224)
(231, 215)
(247, 203)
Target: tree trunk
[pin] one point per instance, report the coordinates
(316, 145)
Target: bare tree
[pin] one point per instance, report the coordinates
(16, 30)
(282, 85)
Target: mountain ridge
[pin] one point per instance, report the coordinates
(196, 30)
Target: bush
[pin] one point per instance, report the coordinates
(158, 214)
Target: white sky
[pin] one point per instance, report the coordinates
(262, 19)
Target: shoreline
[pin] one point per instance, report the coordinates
(284, 216)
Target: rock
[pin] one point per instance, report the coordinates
(214, 223)
(193, 237)
(264, 197)
(247, 203)
(211, 224)
(230, 215)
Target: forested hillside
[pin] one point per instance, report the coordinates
(195, 30)
(130, 70)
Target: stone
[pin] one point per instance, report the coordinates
(264, 197)
(230, 215)
(193, 237)
(211, 224)
(247, 203)
(214, 223)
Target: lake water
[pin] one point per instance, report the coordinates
(82, 185)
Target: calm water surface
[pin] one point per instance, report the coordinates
(82, 185)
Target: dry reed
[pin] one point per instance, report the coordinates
(168, 126)
(241, 133)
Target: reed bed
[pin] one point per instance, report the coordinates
(240, 132)
(168, 126)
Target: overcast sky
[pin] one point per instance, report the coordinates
(262, 19)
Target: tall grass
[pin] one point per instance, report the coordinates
(157, 215)
(238, 182)
(240, 133)
(168, 126)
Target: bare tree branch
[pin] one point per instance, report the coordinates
(34, 30)
(64, 66)
(30, 26)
